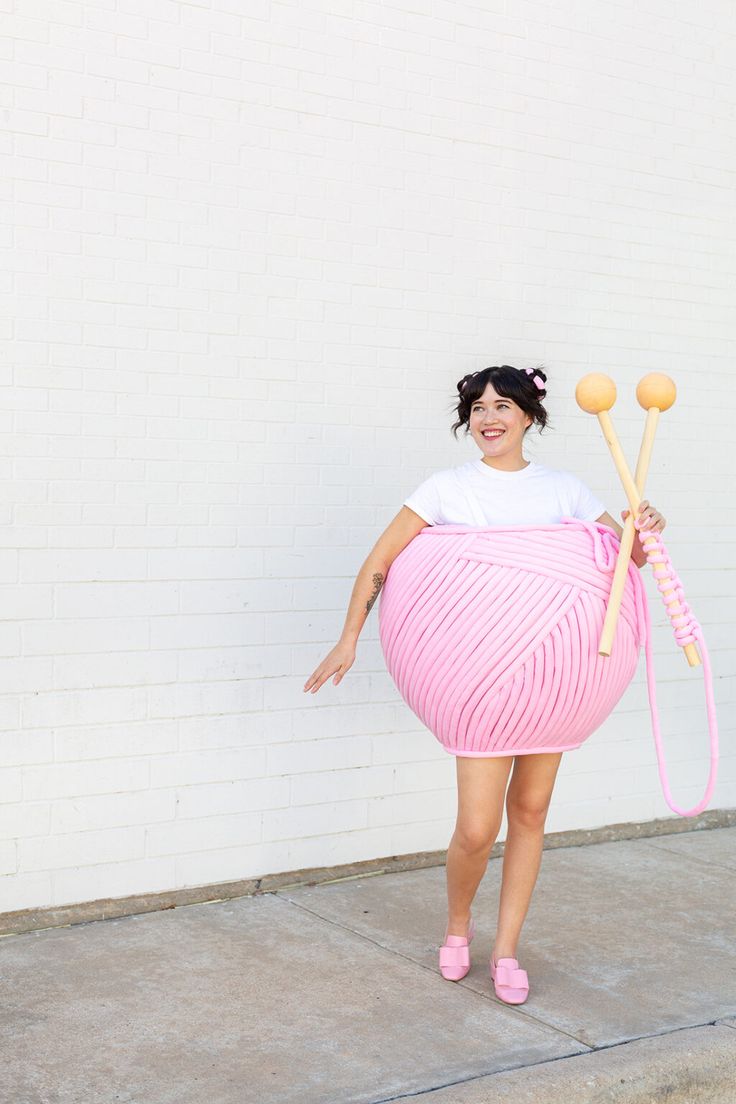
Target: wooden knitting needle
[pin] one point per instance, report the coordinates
(643, 394)
(654, 393)
(622, 566)
(596, 394)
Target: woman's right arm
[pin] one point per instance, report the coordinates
(368, 583)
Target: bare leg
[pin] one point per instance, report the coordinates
(527, 802)
(481, 784)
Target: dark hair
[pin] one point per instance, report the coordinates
(516, 384)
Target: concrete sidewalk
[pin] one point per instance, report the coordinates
(331, 994)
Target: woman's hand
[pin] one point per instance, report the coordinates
(649, 518)
(340, 659)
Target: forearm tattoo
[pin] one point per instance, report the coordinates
(377, 584)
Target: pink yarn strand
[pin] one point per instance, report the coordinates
(687, 631)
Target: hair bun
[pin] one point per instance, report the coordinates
(538, 377)
(463, 383)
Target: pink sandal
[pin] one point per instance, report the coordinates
(455, 954)
(511, 983)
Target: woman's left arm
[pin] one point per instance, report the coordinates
(650, 520)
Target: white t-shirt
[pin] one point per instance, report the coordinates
(477, 494)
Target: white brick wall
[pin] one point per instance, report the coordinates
(251, 248)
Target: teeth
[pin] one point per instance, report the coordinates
(494, 433)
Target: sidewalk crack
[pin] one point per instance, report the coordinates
(542, 1062)
(503, 1009)
(683, 854)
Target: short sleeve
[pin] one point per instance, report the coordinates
(588, 506)
(425, 501)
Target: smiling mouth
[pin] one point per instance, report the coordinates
(491, 435)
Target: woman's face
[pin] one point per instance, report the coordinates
(502, 420)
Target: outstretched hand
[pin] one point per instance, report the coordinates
(339, 660)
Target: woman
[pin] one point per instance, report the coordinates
(497, 406)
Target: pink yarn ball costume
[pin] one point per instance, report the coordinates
(491, 637)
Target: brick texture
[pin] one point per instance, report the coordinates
(249, 250)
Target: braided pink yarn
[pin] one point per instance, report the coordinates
(669, 586)
(491, 637)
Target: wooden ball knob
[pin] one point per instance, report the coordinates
(595, 392)
(656, 389)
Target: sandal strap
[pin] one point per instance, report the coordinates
(511, 976)
(455, 956)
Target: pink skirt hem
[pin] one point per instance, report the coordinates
(510, 752)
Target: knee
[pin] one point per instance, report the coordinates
(476, 837)
(526, 812)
